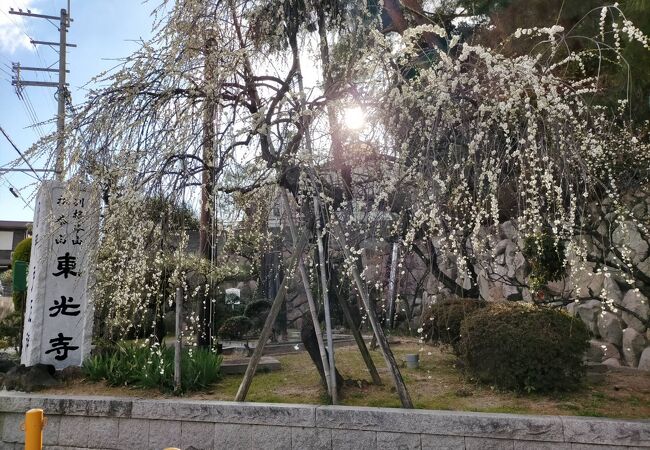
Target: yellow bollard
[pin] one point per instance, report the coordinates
(34, 424)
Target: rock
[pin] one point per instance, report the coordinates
(501, 246)
(596, 282)
(507, 230)
(633, 345)
(572, 308)
(511, 250)
(612, 362)
(70, 373)
(588, 312)
(610, 328)
(599, 351)
(638, 303)
(644, 266)
(639, 211)
(559, 288)
(611, 290)
(29, 379)
(589, 283)
(484, 284)
(512, 293)
(626, 235)
(6, 365)
(603, 228)
(644, 360)
(521, 268)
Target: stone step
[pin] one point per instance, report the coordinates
(238, 366)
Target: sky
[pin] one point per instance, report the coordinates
(103, 30)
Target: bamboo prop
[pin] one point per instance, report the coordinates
(178, 344)
(363, 349)
(391, 284)
(400, 386)
(270, 319)
(310, 299)
(326, 300)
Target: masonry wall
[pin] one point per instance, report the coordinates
(131, 424)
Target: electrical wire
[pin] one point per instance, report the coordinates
(12, 187)
(19, 152)
(29, 108)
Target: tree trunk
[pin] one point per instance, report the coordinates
(207, 189)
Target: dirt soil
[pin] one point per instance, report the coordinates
(437, 384)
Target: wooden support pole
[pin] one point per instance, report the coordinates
(178, 344)
(363, 349)
(326, 302)
(268, 324)
(313, 309)
(391, 284)
(400, 386)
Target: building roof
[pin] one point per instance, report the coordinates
(13, 225)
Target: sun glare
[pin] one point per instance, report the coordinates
(354, 118)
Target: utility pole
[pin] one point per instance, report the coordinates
(61, 85)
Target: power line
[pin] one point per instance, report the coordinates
(37, 121)
(20, 153)
(15, 191)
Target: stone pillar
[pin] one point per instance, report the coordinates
(58, 315)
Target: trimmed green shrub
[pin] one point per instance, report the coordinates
(257, 311)
(144, 367)
(23, 250)
(442, 322)
(522, 348)
(235, 327)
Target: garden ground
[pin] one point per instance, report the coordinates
(437, 384)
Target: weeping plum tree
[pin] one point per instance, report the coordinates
(237, 100)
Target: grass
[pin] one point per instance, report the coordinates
(132, 365)
(437, 384)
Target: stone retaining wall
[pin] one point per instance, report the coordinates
(77, 423)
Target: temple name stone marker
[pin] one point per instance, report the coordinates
(58, 316)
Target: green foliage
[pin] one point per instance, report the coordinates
(19, 299)
(10, 330)
(10, 326)
(235, 327)
(257, 311)
(22, 251)
(153, 368)
(443, 321)
(6, 277)
(175, 215)
(545, 255)
(522, 348)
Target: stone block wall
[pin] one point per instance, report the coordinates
(105, 423)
